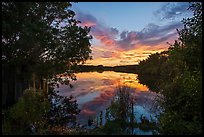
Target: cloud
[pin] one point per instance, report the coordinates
(95, 106)
(136, 54)
(109, 54)
(87, 112)
(85, 17)
(127, 39)
(88, 24)
(151, 35)
(104, 52)
(172, 10)
(154, 34)
(101, 32)
(108, 82)
(111, 44)
(105, 39)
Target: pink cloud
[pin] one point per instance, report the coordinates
(106, 40)
(151, 35)
(101, 32)
(153, 38)
(87, 112)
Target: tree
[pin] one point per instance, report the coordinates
(121, 108)
(189, 46)
(185, 88)
(63, 110)
(31, 109)
(39, 40)
(179, 78)
(153, 75)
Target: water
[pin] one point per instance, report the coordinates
(94, 91)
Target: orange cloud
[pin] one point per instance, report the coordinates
(111, 51)
(113, 56)
(106, 40)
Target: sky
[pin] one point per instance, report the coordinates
(125, 33)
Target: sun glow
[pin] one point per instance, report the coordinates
(103, 55)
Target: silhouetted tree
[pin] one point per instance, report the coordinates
(178, 77)
(63, 109)
(39, 40)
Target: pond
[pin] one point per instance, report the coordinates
(94, 91)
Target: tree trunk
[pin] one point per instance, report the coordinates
(28, 85)
(34, 87)
(13, 84)
(132, 115)
(8, 86)
(19, 83)
(40, 83)
(46, 87)
(43, 87)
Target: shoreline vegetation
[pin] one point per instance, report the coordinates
(100, 68)
(34, 114)
(34, 51)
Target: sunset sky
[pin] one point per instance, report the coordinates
(126, 32)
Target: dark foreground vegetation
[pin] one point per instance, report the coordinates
(34, 51)
(177, 75)
(36, 46)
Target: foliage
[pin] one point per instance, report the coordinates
(30, 109)
(179, 78)
(63, 109)
(40, 38)
(120, 107)
(112, 128)
(33, 33)
(151, 74)
(101, 68)
(120, 118)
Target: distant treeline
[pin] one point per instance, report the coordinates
(101, 68)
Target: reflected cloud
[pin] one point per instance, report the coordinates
(88, 112)
(94, 91)
(108, 82)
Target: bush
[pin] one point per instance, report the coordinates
(30, 109)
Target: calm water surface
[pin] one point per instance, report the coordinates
(94, 91)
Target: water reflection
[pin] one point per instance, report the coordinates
(94, 92)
